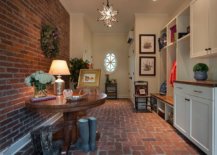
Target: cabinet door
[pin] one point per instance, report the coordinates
(199, 28)
(201, 123)
(213, 25)
(182, 111)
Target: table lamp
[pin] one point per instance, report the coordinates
(59, 67)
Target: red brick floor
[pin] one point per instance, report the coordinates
(125, 132)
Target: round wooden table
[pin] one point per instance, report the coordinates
(70, 112)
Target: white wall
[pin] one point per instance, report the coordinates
(76, 35)
(87, 44)
(103, 43)
(149, 24)
(80, 37)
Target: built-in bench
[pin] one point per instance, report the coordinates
(163, 106)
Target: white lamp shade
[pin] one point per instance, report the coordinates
(59, 67)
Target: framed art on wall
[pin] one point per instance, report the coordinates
(147, 66)
(147, 43)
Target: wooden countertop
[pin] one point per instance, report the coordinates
(200, 83)
(167, 99)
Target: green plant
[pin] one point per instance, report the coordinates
(49, 41)
(75, 65)
(200, 67)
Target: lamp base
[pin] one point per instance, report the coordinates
(59, 86)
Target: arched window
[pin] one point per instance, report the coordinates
(110, 62)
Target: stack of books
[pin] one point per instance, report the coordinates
(43, 98)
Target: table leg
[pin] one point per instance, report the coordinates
(58, 131)
(70, 130)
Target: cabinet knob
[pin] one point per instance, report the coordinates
(206, 49)
(209, 49)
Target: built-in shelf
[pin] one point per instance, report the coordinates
(111, 90)
(176, 50)
(164, 106)
(164, 48)
(184, 38)
(171, 44)
(161, 110)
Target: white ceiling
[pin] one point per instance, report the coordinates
(126, 8)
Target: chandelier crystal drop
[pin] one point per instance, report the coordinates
(108, 15)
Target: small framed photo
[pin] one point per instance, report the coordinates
(89, 78)
(147, 66)
(141, 90)
(147, 43)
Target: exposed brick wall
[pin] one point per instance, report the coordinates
(20, 55)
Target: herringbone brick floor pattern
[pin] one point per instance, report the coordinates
(125, 132)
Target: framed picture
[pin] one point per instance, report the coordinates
(89, 78)
(147, 66)
(147, 43)
(141, 90)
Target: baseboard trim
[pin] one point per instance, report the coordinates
(18, 145)
(123, 96)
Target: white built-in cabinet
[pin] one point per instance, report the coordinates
(182, 122)
(195, 114)
(176, 48)
(195, 105)
(203, 28)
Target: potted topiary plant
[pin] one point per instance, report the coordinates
(74, 67)
(200, 71)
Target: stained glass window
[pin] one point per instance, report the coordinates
(110, 62)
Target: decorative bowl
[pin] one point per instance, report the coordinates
(76, 97)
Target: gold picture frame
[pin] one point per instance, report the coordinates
(89, 78)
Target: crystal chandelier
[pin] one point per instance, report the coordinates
(107, 15)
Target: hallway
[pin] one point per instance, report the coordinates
(125, 132)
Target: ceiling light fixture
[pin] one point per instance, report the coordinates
(108, 14)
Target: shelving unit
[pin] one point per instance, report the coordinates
(187, 36)
(184, 65)
(163, 39)
(111, 90)
(164, 107)
(163, 64)
(177, 49)
(171, 31)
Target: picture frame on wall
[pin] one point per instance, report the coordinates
(147, 66)
(89, 78)
(147, 43)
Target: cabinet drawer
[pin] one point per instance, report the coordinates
(202, 92)
(198, 91)
(182, 88)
